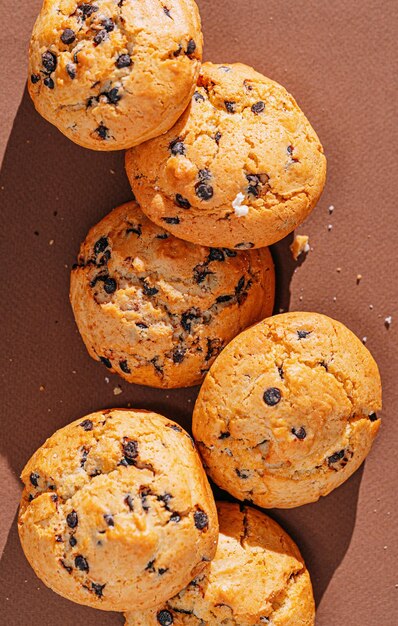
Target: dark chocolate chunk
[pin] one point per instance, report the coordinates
(102, 131)
(204, 191)
(137, 230)
(373, 417)
(171, 220)
(86, 10)
(200, 272)
(182, 202)
(187, 318)
(258, 107)
(72, 519)
(108, 24)
(109, 519)
(201, 520)
(67, 567)
(216, 254)
(144, 493)
(302, 334)
(49, 82)
(124, 366)
(58, 538)
(281, 372)
(204, 174)
(34, 479)
(177, 147)
(175, 517)
(179, 354)
(49, 61)
(123, 60)
(214, 347)
(130, 450)
(100, 36)
(162, 570)
(129, 501)
(112, 95)
(81, 563)
(72, 541)
(230, 106)
(222, 299)
(106, 362)
(163, 236)
(240, 285)
(167, 11)
(150, 566)
(165, 618)
(141, 325)
(71, 69)
(34, 78)
(68, 36)
(230, 253)
(149, 291)
(165, 498)
(105, 258)
(86, 425)
(177, 52)
(110, 285)
(225, 435)
(300, 433)
(272, 396)
(84, 456)
(336, 457)
(217, 137)
(191, 47)
(98, 589)
(198, 97)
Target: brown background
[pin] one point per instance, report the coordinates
(338, 58)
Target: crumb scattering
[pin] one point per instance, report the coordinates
(300, 246)
(388, 321)
(117, 391)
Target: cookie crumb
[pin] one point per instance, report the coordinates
(300, 246)
(330, 227)
(388, 321)
(359, 278)
(371, 307)
(331, 209)
(338, 270)
(364, 340)
(51, 242)
(117, 391)
(41, 388)
(240, 209)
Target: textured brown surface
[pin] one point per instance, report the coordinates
(337, 58)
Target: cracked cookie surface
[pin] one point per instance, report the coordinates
(288, 411)
(111, 74)
(158, 310)
(117, 512)
(241, 168)
(257, 577)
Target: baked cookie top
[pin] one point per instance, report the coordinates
(257, 577)
(158, 310)
(117, 512)
(112, 74)
(288, 411)
(241, 168)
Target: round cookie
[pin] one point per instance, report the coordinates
(158, 310)
(288, 411)
(242, 168)
(257, 577)
(117, 512)
(112, 74)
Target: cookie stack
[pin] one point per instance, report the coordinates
(173, 287)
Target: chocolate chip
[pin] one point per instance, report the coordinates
(171, 220)
(258, 107)
(254, 184)
(204, 191)
(175, 427)
(300, 433)
(34, 78)
(150, 566)
(162, 236)
(34, 479)
(100, 36)
(243, 474)
(129, 501)
(105, 258)
(281, 372)
(110, 285)
(130, 450)
(68, 36)
(86, 425)
(177, 52)
(179, 354)
(214, 347)
(182, 202)
(198, 97)
(137, 230)
(109, 520)
(222, 299)
(106, 362)
(141, 325)
(101, 245)
(230, 253)
(72, 519)
(373, 417)
(191, 47)
(98, 589)
(86, 9)
(72, 541)
(162, 570)
(230, 106)
(67, 567)
(177, 147)
(71, 70)
(30, 497)
(167, 11)
(200, 272)
(302, 334)
(144, 493)
(81, 563)
(175, 517)
(201, 520)
(124, 366)
(272, 396)
(165, 618)
(49, 82)
(165, 498)
(240, 285)
(217, 137)
(108, 24)
(58, 538)
(225, 435)
(112, 95)
(335, 458)
(244, 246)
(84, 456)
(187, 318)
(123, 60)
(102, 131)
(149, 291)
(49, 61)
(216, 254)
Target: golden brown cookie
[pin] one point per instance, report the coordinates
(112, 74)
(158, 310)
(257, 577)
(242, 168)
(288, 411)
(117, 512)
